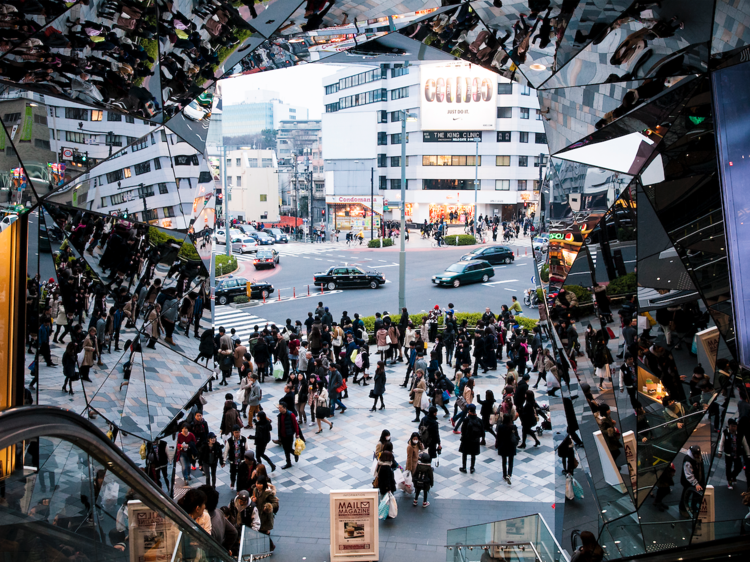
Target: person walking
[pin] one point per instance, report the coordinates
(468, 399)
(419, 389)
(507, 441)
(319, 409)
(262, 437)
(226, 363)
(693, 479)
(335, 382)
(487, 410)
(423, 478)
(379, 389)
(90, 346)
(210, 455)
(69, 363)
(301, 390)
(282, 354)
(471, 436)
(288, 431)
(267, 504)
(384, 480)
(528, 419)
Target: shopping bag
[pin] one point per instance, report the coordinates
(240, 396)
(446, 397)
(111, 492)
(425, 404)
(278, 372)
(392, 506)
(374, 469)
(694, 347)
(577, 488)
(358, 361)
(81, 356)
(299, 446)
(569, 493)
(407, 484)
(398, 476)
(383, 507)
(353, 356)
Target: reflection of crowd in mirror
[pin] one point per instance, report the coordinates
(92, 61)
(270, 56)
(19, 20)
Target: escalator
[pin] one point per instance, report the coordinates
(67, 492)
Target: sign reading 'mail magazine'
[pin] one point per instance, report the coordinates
(354, 525)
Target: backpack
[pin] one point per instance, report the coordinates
(421, 478)
(450, 386)
(424, 433)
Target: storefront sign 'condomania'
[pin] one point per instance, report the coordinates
(458, 89)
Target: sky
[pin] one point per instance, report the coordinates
(300, 85)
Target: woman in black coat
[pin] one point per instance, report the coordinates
(379, 388)
(478, 354)
(486, 411)
(262, 355)
(528, 419)
(507, 441)
(206, 347)
(262, 438)
(386, 465)
(69, 362)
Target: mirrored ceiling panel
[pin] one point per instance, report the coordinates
(652, 39)
(98, 53)
(21, 20)
(731, 29)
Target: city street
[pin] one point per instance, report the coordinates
(298, 262)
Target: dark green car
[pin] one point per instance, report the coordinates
(465, 272)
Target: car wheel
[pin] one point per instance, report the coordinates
(223, 300)
(331, 286)
(485, 278)
(264, 294)
(508, 260)
(456, 283)
(374, 285)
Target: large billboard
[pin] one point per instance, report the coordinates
(457, 97)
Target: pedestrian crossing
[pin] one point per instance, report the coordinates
(290, 250)
(243, 322)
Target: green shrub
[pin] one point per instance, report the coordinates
(540, 294)
(225, 264)
(544, 274)
(622, 285)
(188, 252)
(156, 237)
(375, 243)
(582, 294)
(527, 323)
(460, 240)
(241, 299)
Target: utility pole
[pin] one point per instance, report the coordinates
(296, 194)
(225, 191)
(372, 200)
(476, 182)
(402, 253)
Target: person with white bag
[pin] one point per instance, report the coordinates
(420, 396)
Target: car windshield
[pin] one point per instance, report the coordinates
(265, 255)
(477, 251)
(193, 105)
(276, 231)
(249, 241)
(455, 268)
(356, 271)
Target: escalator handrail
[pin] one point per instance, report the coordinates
(29, 422)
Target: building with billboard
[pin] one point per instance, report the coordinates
(456, 104)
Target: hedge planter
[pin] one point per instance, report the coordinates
(459, 240)
(225, 265)
(375, 243)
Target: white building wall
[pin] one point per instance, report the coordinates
(256, 196)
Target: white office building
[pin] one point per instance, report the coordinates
(253, 185)
(454, 104)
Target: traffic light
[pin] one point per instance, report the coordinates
(323, 212)
(80, 158)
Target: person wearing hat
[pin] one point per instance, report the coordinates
(236, 447)
(210, 456)
(242, 512)
(735, 446)
(288, 429)
(245, 479)
(472, 433)
(692, 478)
(432, 322)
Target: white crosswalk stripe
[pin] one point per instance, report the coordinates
(242, 322)
(292, 250)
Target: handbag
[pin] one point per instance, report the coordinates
(81, 356)
(446, 397)
(461, 403)
(577, 488)
(569, 493)
(392, 506)
(372, 393)
(384, 504)
(342, 388)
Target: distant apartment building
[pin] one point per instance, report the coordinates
(252, 184)
(261, 109)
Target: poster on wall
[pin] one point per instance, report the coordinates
(152, 537)
(457, 97)
(354, 525)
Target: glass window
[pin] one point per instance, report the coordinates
(163, 188)
(399, 70)
(458, 160)
(382, 138)
(444, 160)
(429, 160)
(521, 185)
(400, 93)
(396, 184)
(239, 181)
(505, 88)
(114, 176)
(126, 172)
(525, 91)
(449, 184)
(382, 183)
(129, 119)
(502, 185)
(78, 113)
(540, 138)
(502, 160)
(142, 168)
(72, 136)
(395, 116)
(503, 136)
(252, 162)
(396, 138)
(40, 120)
(266, 162)
(523, 136)
(238, 162)
(263, 197)
(41, 143)
(229, 162)
(139, 145)
(382, 159)
(382, 116)
(523, 161)
(151, 214)
(157, 164)
(96, 115)
(504, 112)
(395, 161)
(113, 140)
(112, 116)
(11, 118)
(538, 115)
(524, 113)
(229, 181)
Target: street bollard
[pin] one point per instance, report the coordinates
(527, 251)
(294, 292)
(264, 299)
(279, 295)
(321, 288)
(308, 290)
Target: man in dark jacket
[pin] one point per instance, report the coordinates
(245, 480)
(199, 428)
(478, 353)
(210, 454)
(236, 446)
(472, 433)
(282, 353)
(221, 529)
(520, 395)
(288, 431)
(433, 430)
(335, 380)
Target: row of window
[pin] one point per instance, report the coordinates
(83, 114)
(450, 160)
(134, 194)
(251, 162)
(395, 138)
(508, 89)
(365, 98)
(366, 77)
(523, 136)
(13, 118)
(395, 116)
(500, 185)
(523, 161)
(140, 168)
(400, 93)
(507, 113)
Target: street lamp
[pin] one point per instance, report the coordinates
(405, 116)
(477, 140)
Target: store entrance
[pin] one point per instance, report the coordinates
(451, 213)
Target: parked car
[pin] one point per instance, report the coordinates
(195, 112)
(540, 242)
(348, 277)
(264, 239)
(220, 235)
(244, 245)
(492, 254)
(7, 220)
(465, 272)
(277, 235)
(266, 258)
(227, 289)
(249, 230)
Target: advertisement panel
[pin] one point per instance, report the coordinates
(354, 525)
(457, 97)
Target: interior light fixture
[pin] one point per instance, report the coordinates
(537, 66)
